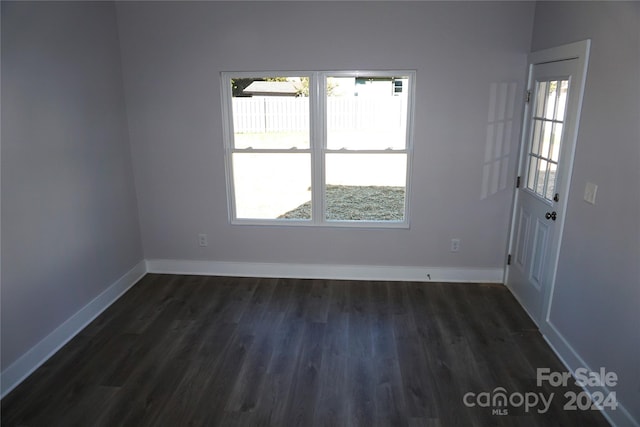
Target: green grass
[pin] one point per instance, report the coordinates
(357, 203)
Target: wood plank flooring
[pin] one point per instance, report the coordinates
(219, 351)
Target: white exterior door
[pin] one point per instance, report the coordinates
(546, 157)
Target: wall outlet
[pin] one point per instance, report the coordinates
(455, 245)
(202, 240)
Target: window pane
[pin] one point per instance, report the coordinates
(551, 100)
(270, 112)
(367, 113)
(541, 98)
(556, 137)
(532, 173)
(551, 183)
(542, 177)
(535, 140)
(365, 187)
(270, 186)
(546, 139)
(562, 101)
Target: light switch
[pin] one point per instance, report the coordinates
(590, 191)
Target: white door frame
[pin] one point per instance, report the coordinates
(580, 52)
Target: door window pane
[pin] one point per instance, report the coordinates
(546, 139)
(562, 100)
(541, 98)
(532, 173)
(541, 177)
(551, 181)
(556, 137)
(537, 134)
(550, 104)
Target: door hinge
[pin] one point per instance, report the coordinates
(527, 97)
(509, 259)
(518, 182)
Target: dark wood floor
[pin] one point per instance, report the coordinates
(193, 350)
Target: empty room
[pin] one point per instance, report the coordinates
(320, 213)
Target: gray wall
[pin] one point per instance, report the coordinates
(69, 216)
(463, 52)
(597, 294)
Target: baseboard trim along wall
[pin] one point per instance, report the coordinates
(38, 354)
(319, 271)
(571, 359)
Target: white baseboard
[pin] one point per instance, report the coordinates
(572, 360)
(321, 271)
(620, 417)
(38, 354)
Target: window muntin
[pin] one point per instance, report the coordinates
(335, 152)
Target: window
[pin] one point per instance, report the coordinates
(320, 148)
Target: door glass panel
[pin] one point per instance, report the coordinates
(541, 98)
(551, 181)
(551, 100)
(556, 137)
(562, 100)
(546, 137)
(542, 177)
(537, 126)
(533, 166)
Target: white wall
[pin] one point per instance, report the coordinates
(69, 216)
(597, 293)
(464, 54)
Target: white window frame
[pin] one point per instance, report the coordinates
(318, 147)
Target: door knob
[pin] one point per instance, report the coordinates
(551, 215)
